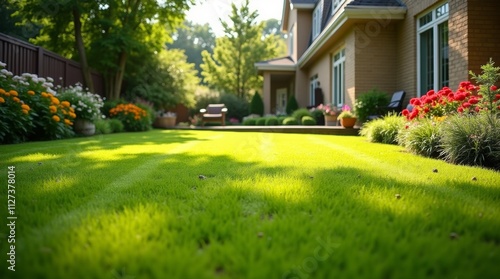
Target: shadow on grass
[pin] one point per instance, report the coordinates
(157, 218)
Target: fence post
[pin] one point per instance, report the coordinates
(39, 62)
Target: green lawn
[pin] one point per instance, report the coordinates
(278, 206)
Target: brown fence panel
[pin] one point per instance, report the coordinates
(22, 57)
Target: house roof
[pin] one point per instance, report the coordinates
(376, 3)
(277, 64)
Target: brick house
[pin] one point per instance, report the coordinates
(339, 49)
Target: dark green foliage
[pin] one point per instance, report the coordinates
(291, 105)
(300, 113)
(261, 121)
(272, 121)
(281, 119)
(115, 125)
(318, 116)
(422, 138)
(308, 121)
(384, 130)
(250, 122)
(236, 107)
(257, 105)
(102, 127)
(472, 140)
(373, 102)
(290, 121)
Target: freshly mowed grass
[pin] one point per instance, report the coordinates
(133, 205)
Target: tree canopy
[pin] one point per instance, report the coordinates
(230, 69)
(103, 34)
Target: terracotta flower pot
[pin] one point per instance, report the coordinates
(348, 122)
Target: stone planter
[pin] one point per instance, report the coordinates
(330, 120)
(165, 121)
(84, 127)
(348, 122)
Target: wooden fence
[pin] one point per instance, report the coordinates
(22, 57)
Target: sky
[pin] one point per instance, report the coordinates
(209, 11)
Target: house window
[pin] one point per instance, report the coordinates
(338, 78)
(317, 15)
(432, 43)
(312, 88)
(336, 5)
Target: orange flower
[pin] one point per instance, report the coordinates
(25, 111)
(68, 122)
(13, 93)
(31, 92)
(56, 118)
(44, 94)
(53, 109)
(2, 100)
(25, 107)
(54, 101)
(65, 104)
(72, 115)
(16, 99)
(2, 91)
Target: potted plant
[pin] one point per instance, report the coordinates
(330, 113)
(347, 117)
(87, 107)
(165, 119)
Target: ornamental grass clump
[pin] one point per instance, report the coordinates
(422, 137)
(384, 130)
(133, 117)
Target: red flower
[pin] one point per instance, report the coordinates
(477, 109)
(460, 109)
(473, 101)
(431, 92)
(493, 88)
(497, 97)
(405, 112)
(466, 105)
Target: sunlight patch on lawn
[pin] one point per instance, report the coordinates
(36, 157)
(58, 183)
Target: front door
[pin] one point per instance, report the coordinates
(281, 99)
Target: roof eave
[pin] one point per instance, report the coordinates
(354, 12)
(302, 6)
(280, 68)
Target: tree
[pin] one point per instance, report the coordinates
(231, 67)
(257, 104)
(108, 30)
(194, 39)
(165, 79)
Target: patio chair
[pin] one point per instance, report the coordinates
(395, 105)
(214, 113)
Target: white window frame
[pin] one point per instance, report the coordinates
(436, 18)
(290, 41)
(313, 84)
(316, 20)
(336, 4)
(338, 78)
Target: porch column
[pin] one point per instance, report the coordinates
(266, 93)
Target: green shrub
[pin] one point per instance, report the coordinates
(250, 122)
(272, 121)
(308, 121)
(281, 119)
(384, 130)
(116, 125)
(318, 116)
(291, 105)
(261, 121)
(133, 117)
(290, 121)
(102, 127)
(236, 107)
(421, 137)
(472, 140)
(256, 104)
(300, 113)
(373, 102)
(108, 105)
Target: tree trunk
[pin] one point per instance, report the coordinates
(87, 76)
(114, 80)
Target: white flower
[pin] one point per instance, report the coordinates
(2, 64)
(42, 80)
(49, 79)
